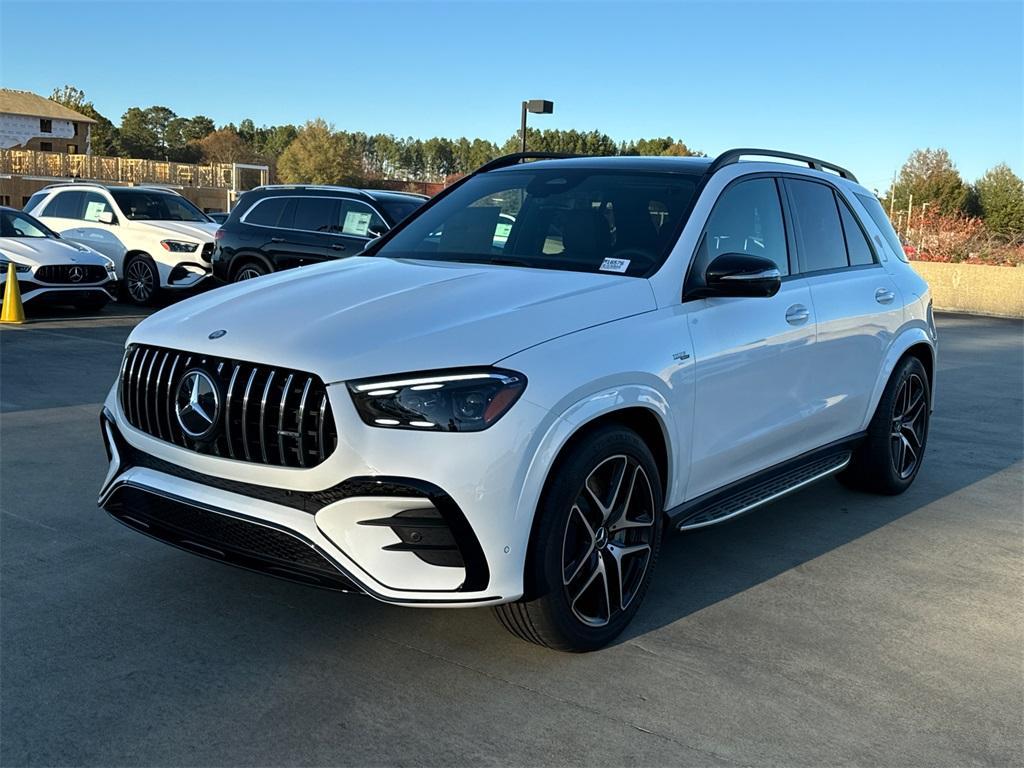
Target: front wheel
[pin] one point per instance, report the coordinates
(595, 545)
(141, 280)
(890, 457)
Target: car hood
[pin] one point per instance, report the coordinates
(37, 251)
(371, 316)
(199, 230)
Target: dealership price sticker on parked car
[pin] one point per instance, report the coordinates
(615, 265)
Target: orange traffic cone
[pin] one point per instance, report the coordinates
(12, 312)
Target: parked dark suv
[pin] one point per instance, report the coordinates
(278, 227)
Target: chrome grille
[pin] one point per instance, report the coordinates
(61, 273)
(267, 415)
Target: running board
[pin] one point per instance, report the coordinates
(744, 496)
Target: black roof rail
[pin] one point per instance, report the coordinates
(518, 157)
(731, 156)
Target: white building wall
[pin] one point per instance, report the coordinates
(16, 130)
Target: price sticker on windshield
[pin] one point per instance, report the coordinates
(615, 265)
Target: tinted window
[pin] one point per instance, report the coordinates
(144, 205)
(14, 224)
(93, 205)
(857, 245)
(747, 219)
(315, 214)
(65, 205)
(877, 214)
(358, 220)
(267, 212)
(817, 224)
(571, 218)
(35, 200)
(399, 209)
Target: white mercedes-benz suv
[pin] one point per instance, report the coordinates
(157, 239)
(506, 400)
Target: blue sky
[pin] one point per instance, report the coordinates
(859, 83)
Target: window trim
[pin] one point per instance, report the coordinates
(243, 219)
(787, 227)
(835, 194)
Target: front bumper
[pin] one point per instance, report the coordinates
(32, 290)
(398, 539)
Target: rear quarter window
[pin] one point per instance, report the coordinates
(877, 214)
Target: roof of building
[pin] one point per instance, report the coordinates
(25, 103)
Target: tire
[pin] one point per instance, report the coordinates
(249, 270)
(891, 455)
(91, 304)
(141, 280)
(583, 533)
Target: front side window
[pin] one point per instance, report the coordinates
(95, 204)
(575, 219)
(315, 214)
(65, 205)
(147, 205)
(13, 224)
(399, 209)
(746, 219)
(819, 232)
(357, 219)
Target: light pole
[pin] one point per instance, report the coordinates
(538, 107)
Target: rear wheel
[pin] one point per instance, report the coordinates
(141, 280)
(594, 547)
(891, 455)
(249, 270)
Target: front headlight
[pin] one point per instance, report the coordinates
(179, 246)
(466, 400)
(21, 268)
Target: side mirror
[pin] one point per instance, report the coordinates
(105, 217)
(739, 274)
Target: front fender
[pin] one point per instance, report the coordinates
(576, 417)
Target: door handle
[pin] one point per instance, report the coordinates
(337, 247)
(277, 239)
(885, 296)
(797, 314)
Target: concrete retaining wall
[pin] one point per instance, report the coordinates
(975, 288)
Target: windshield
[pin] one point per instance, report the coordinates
(582, 220)
(142, 205)
(13, 224)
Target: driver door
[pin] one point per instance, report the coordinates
(754, 356)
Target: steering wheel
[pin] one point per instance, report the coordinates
(644, 258)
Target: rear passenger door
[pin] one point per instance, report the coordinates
(856, 303)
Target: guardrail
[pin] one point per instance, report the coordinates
(27, 162)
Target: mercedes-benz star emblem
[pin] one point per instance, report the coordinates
(197, 404)
(217, 334)
(76, 274)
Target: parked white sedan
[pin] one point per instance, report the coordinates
(50, 269)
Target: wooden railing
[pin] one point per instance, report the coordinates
(27, 162)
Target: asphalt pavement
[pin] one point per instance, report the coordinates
(831, 628)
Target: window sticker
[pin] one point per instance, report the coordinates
(356, 223)
(94, 209)
(615, 265)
